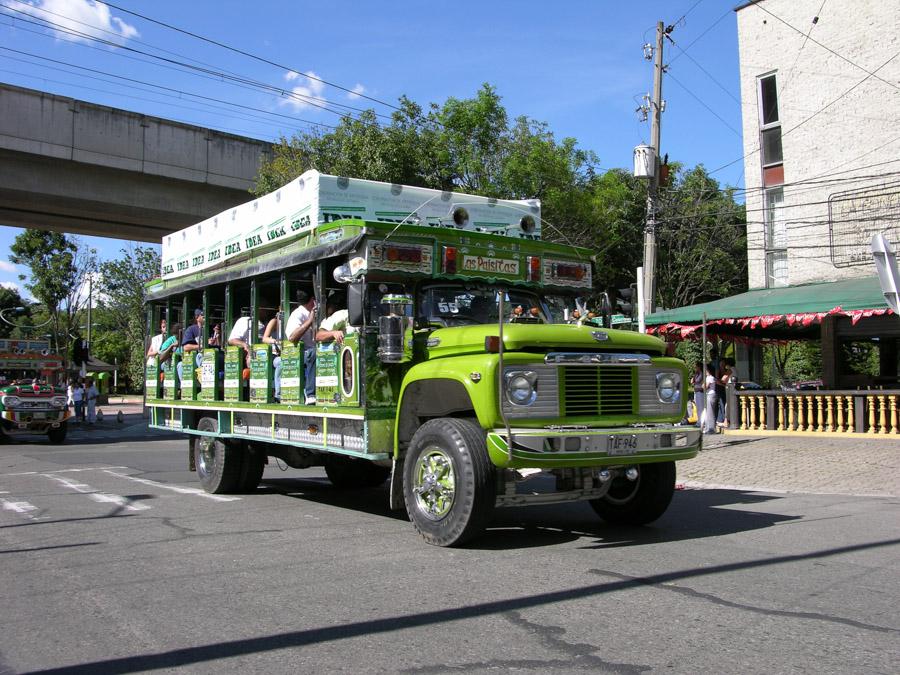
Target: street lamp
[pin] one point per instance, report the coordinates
(20, 310)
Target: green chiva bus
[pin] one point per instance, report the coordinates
(466, 375)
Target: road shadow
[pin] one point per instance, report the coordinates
(693, 514)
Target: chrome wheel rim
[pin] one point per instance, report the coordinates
(434, 483)
(206, 455)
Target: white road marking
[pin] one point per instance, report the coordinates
(23, 508)
(44, 473)
(175, 488)
(96, 495)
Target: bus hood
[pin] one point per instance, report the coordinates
(540, 337)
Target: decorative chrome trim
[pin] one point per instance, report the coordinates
(602, 359)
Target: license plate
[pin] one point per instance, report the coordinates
(39, 416)
(621, 445)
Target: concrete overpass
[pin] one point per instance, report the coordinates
(88, 169)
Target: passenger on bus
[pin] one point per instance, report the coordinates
(240, 334)
(157, 340)
(298, 329)
(334, 327)
(190, 340)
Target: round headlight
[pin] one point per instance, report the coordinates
(668, 387)
(58, 401)
(11, 401)
(520, 388)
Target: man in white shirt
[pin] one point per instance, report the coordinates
(157, 340)
(299, 329)
(240, 335)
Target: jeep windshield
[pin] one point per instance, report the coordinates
(457, 305)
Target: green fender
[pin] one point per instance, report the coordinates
(476, 373)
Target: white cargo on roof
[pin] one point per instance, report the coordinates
(315, 198)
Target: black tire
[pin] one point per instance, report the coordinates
(57, 435)
(251, 469)
(218, 463)
(349, 473)
(449, 482)
(640, 501)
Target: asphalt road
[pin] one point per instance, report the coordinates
(113, 561)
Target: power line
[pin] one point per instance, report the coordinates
(158, 86)
(219, 74)
(826, 47)
(245, 53)
(708, 74)
(699, 100)
(696, 39)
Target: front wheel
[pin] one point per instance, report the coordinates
(448, 481)
(57, 435)
(639, 501)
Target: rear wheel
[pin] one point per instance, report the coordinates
(57, 435)
(639, 501)
(252, 467)
(448, 481)
(351, 473)
(218, 463)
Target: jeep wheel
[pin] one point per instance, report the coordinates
(640, 501)
(252, 467)
(57, 435)
(448, 481)
(218, 462)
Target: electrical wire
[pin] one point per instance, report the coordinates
(245, 53)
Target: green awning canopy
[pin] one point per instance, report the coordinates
(784, 307)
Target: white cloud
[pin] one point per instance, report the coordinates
(356, 92)
(312, 89)
(80, 16)
(8, 267)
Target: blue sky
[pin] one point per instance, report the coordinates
(576, 65)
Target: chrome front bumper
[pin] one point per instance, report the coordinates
(593, 447)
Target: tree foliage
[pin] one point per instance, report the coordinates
(472, 146)
(121, 311)
(59, 269)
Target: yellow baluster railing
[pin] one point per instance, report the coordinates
(761, 401)
(851, 418)
(871, 403)
(743, 400)
(780, 413)
(840, 414)
(882, 417)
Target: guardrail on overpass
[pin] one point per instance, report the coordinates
(90, 169)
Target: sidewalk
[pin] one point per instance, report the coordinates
(826, 465)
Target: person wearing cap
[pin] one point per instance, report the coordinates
(190, 340)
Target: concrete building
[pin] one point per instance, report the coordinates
(820, 88)
(820, 93)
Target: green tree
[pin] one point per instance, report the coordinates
(702, 241)
(121, 312)
(470, 145)
(9, 300)
(59, 269)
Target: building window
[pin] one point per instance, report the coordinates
(769, 123)
(776, 239)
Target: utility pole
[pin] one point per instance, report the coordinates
(649, 293)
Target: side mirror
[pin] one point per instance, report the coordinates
(355, 304)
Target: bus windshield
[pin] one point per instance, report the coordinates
(456, 305)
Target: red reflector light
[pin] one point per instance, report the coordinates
(534, 268)
(492, 344)
(564, 271)
(403, 254)
(449, 260)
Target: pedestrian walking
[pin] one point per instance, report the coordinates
(91, 394)
(78, 399)
(697, 384)
(709, 418)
